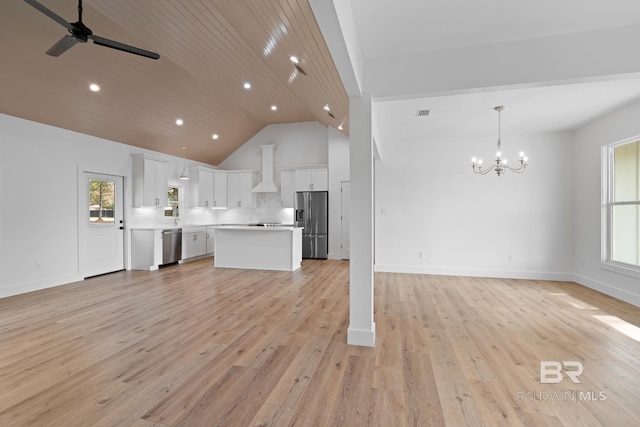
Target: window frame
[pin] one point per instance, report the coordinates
(608, 202)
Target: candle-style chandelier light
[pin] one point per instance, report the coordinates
(500, 165)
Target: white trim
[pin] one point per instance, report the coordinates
(362, 337)
(608, 289)
(38, 285)
(503, 274)
(627, 270)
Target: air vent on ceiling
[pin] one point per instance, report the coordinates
(331, 115)
(423, 113)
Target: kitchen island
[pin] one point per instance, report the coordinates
(254, 247)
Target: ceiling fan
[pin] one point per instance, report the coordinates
(80, 33)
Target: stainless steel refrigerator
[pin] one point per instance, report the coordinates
(312, 213)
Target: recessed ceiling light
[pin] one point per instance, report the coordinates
(294, 59)
(94, 87)
(215, 136)
(179, 122)
(326, 107)
(274, 107)
(247, 85)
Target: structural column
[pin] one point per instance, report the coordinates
(362, 328)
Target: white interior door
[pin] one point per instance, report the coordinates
(345, 218)
(103, 224)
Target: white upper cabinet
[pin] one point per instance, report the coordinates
(150, 181)
(200, 187)
(220, 189)
(239, 185)
(316, 179)
(287, 188)
(208, 188)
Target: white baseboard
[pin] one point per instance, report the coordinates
(362, 337)
(23, 288)
(608, 289)
(503, 274)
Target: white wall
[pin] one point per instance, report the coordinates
(297, 144)
(39, 169)
(463, 223)
(588, 144)
(428, 200)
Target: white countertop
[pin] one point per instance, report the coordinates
(227, 226)
(257, 228)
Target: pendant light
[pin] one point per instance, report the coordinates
(184, 175)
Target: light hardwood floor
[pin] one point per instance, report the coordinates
(194, 345)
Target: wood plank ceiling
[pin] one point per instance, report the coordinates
(208, 50)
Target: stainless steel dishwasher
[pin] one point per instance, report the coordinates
(171, 245)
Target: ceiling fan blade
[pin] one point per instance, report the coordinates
(50, 14)
(62, 46)
(123, 47)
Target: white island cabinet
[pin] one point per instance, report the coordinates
(264, 248)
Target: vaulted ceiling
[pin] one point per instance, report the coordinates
(208, 50)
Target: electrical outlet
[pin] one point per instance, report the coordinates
(420, 254)
(509, 258)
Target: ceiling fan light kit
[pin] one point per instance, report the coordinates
(80, 33)
(500, 164)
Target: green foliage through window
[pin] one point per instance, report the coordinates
(102, 196)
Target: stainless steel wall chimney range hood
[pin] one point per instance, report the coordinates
(268, 184)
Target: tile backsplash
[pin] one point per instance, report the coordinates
(267, 210)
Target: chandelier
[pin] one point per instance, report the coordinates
(500, 165)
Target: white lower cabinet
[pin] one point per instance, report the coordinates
(194, 242)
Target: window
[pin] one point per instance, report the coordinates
(174, 202)
(101, 201)
(623, 204)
